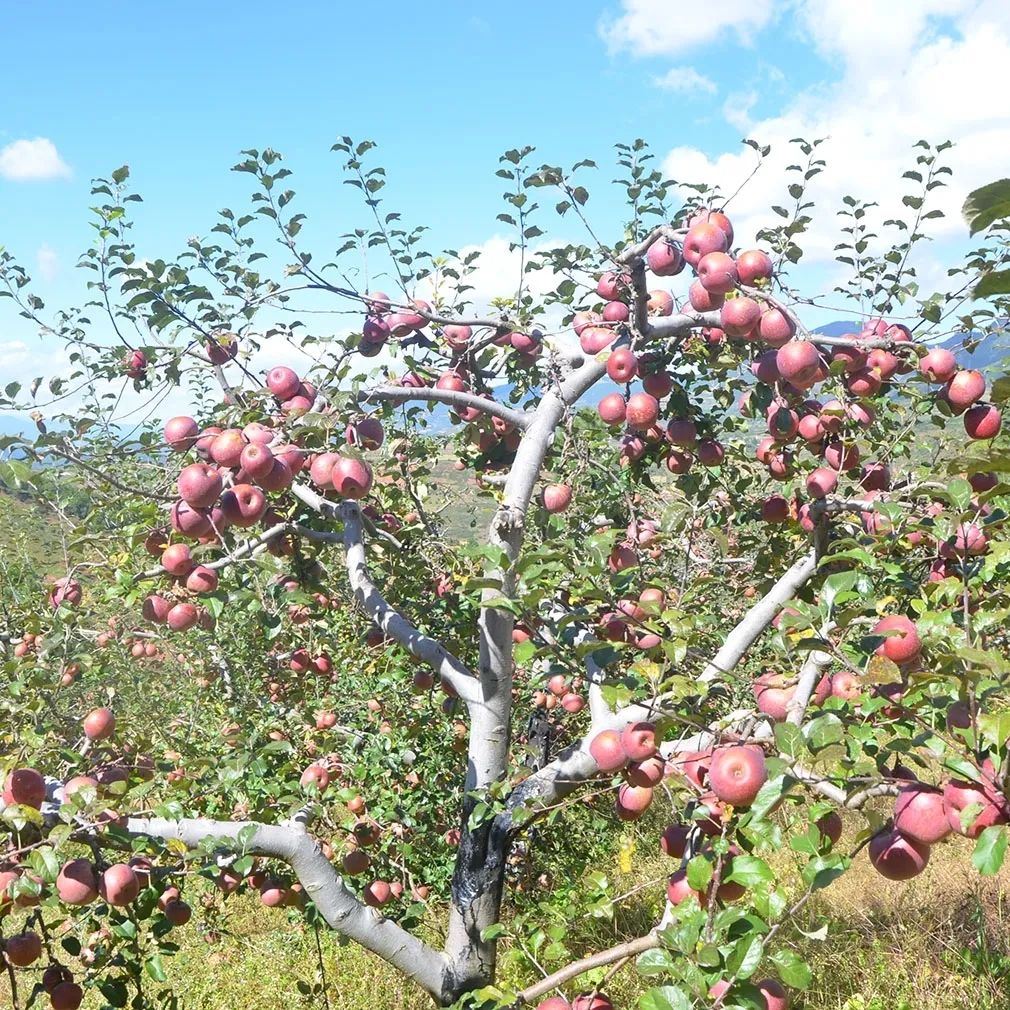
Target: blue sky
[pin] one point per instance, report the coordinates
(445, 88)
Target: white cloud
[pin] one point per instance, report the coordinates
(13, 353)
(32, 160)
(662, 28)
(737, 109)
(685, 81)
(48, 261)
(909, 70)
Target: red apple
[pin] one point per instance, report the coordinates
(717, 273)
(315, 775)
(678, 890)
(181, 433)
(798, 362)
(201, 580)
(775, 995)
(199, 485)
(737, 774)
(226, 449)
(66, 996)
(664, 258)
(283, 382)
(703, 300)
(622, 365)
(557, 497)
(377, 893)
(983, 808)
(754, 265)
(902, 645)
(182, 617)
(99, 724)
(119, 885)
(632, 801)
(965, 388)
(775, 327)
(76, 883)
(352, 478)
(919, 814)
(982, 421)
(701, 240)
(612, 408)
(638, 740)
(642, 411)
(739, 316)
(896, 857)
(607, 751)
(821, 482)
(22, 949)
(592, 1001)
(26, 787)
(243, 505)
(938, 365)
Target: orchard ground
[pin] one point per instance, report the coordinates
(940, 941)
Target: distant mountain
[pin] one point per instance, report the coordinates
(990, 352)
(838, 329)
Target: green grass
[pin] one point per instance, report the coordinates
(30, 534)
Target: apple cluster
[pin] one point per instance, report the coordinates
(79, 882)
(229, 486)
(787, 362)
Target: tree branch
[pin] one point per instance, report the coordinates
(454, 398)
(337, 905)
(248, 548)
(810, 676)
(111, 481)
(743, 636)
(391, 621)
(630, 948)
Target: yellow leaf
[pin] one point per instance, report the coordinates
(626, 853)
(176, 846)
(880, 670)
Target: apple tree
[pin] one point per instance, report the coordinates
(415, 594)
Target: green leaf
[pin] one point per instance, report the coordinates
(835, 584)
(995, 283)
(990, 850)
(155, 968)
(793, 970)
(825, 730)
(750, 871)
(769, 795)
(823, 870)
(666, 997)
(746, 956)
(523, 652)
(995, 728)
(960, 493)
(115, 992)
(789, 740)
(699, 873)
(655, 962)
(709, 956)
(987, 204)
